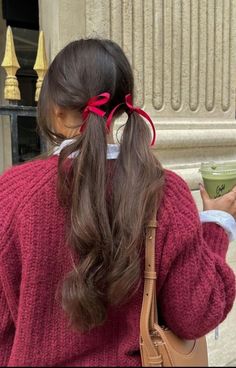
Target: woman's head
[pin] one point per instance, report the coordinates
(81, 70)
(109, 205)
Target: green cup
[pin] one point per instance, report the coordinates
(218, 178)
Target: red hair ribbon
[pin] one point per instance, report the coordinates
(128, 102)
(92, 106)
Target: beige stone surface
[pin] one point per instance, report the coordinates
(62, 21)
(182, 52)
(193, 73)
(192, 83)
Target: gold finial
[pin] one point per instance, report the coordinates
(11, 65)
(41, 64)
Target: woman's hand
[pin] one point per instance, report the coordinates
(226, 203)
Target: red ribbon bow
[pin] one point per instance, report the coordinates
(102, 99)
(128, 102)
(91, 106)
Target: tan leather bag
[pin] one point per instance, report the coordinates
(159, 346)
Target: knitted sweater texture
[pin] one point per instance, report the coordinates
(196, 287)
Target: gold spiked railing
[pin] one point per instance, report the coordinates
(41, 64)
(11, 65)
(12, 92)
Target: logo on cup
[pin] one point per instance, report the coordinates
(219, 190)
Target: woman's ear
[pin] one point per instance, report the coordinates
(57, 119)
(59, 112)
(66, 122)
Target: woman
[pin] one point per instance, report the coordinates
(72, 228)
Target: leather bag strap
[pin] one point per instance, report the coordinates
(149, 315)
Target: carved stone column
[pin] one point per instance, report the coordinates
(183, 56)
(62, 21)
(193, 89)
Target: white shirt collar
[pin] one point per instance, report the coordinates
(113, 150)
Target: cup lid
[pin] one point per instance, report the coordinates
(216, 168)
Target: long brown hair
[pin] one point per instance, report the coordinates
(109, 206)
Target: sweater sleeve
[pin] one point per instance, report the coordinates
(199, 289)
(10, 197)
(7, 330)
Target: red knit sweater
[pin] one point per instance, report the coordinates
(196, 288)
